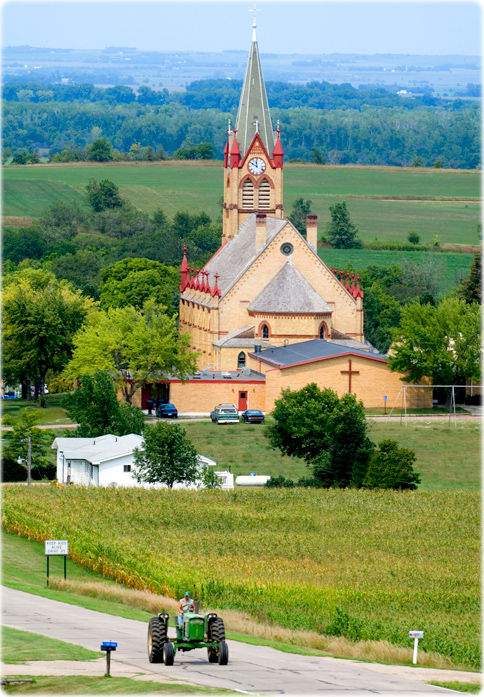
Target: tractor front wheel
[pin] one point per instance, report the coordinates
(168, 654)
(156, 640)
(223, 653)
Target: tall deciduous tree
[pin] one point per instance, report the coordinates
(134, 281)
(100, 150)
(328, 432)
(136, 346)
(342, 233)
(167, 456)
(16, 442)
(103, 195)
(391, 467)
(95, 407)
(440, 343)
(41, 315)
(300, 209)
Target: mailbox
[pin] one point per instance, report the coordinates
(109, 646)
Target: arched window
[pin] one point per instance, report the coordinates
(322, 331)
(264, 195)
(265, 331)
(241, 360)
(248, 194)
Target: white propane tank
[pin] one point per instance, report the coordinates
(252, 480)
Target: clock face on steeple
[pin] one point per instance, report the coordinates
(257, 166)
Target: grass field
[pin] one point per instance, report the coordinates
(19, 646)
(438, 446)
(194, 188)
(53, 413)
(94, 685)
(359, 564)
(455, 266)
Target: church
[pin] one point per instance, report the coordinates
(266, 312)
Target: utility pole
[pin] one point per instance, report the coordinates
(29, 461)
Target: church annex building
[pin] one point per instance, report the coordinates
(266, 312)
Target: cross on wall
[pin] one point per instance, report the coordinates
(349, 373)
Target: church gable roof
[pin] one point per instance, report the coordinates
(237, 255)
(253, 106)
(289, 293)
(309, 352)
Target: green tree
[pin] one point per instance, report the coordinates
(209, 478)
(413, 238)
(205, 151)
(41, 315)
(134, 281)
(95, 407)
(440, 343)
(16, 443)
(100, 150)
(300, 209)
(471, 287)
(342, 233)
(168, 456)
(136, 346)
(391, 467)
(103, 195)
(326, 431)
(318, 157)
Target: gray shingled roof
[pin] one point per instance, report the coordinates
(311, 350)
(253, 104)
(289, 293)
(235, 257)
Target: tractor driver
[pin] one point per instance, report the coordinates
(185, 604)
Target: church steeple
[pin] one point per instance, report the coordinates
(253, 115)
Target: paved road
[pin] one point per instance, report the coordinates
(253, 669)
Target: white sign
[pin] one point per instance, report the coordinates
(57, 548)
(415, 635)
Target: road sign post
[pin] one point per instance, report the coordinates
(385, 403)
(108, 646)
(56, 548)
(416, 636)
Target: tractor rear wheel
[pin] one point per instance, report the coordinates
(156, 640)
(168, 653)
(223, 654)
(217, 630)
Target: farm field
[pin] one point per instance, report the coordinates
(359, 564)
(438, 448)
(28, 190)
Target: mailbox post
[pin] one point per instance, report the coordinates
(415, 635)
(108, 646)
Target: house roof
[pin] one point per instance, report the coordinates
(309, 351)
(254, 106)
(289, 293)
(237, 255)
(97, 450)
(243, 337)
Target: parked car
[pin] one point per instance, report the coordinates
(167, 411)
(225, 414)
(252, 416)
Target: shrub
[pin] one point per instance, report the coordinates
(413, 238)
(391, 467)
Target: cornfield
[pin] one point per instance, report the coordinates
(364, 565)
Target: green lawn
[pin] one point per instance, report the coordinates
(52, 414)
(439, 448)
(93, 685)
(19, 646)
(194, 188)
(454, 265)
(474, 688)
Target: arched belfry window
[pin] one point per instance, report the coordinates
(241, 360)
(265, 331)
(264, 195)
(248, 194)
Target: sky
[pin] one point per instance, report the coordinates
(431, 28)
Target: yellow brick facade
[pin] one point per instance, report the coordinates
(203, 396)
(373, 381)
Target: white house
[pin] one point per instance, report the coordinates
(109, 461)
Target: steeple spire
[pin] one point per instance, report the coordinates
(253, 115)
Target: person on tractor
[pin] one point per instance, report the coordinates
(185, 605)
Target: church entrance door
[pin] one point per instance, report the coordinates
(242, 401)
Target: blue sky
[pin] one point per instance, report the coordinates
(283, 27)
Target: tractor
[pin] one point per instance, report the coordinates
(197, 632)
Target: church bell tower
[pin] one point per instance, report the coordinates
(253, 154)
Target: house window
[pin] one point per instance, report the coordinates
(264, 195)
(127, 468)
(241, 360)
(248, 194)
(265, 331)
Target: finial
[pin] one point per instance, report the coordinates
(228, 129)
(278, 129)
(254, 23)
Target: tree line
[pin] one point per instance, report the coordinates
(372, 135)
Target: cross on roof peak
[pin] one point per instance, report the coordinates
(254, 10)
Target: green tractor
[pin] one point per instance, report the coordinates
(197, 632)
